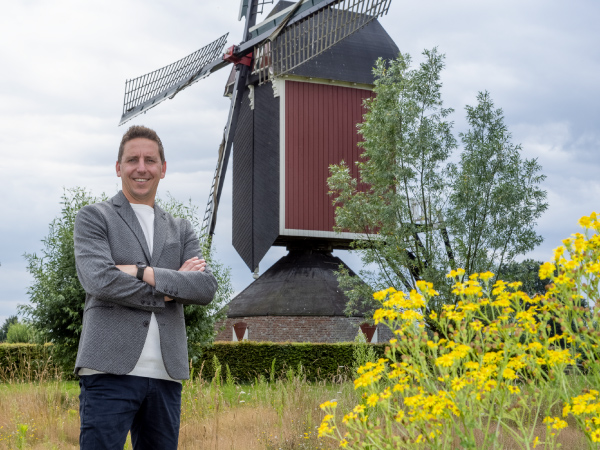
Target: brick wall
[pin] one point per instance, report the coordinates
(299, 329)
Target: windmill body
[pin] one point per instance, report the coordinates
(289, 132)
(296, 97)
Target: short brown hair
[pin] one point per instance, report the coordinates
(140, 131)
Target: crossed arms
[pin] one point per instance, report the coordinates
(102, 279)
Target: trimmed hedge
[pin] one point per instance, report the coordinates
(247, 360)
(27, 362)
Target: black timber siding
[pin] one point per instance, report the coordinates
(242, 182)
(255, 200)
(266, 170)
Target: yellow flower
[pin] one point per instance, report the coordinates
(359, 409)
(372, 399)
(536, 442)
(514, 389)
(385, 394)
(486, 276)
(547, 270)
(456, 273)
(595, 435)
(349, 416)
(476, 325)
(444, 360)
(432, 345)
(328, 404)
(343, 443)
(585, 222)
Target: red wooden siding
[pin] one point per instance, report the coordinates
(320, 130)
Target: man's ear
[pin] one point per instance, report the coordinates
(163, 171)
(118, 169)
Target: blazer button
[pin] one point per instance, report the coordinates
(146, 323)
(153, 303)
(143, 302)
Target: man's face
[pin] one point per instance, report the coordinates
(140, 170)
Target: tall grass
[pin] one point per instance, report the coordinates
(39, 410)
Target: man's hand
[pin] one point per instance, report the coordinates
(191, 265)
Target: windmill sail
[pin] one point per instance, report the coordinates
(311, 35)
(147, 91)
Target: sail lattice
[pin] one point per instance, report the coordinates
(304, 39)
(145, 92)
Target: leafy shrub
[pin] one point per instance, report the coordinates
(496, 365)
(19, 333)
(249, 360)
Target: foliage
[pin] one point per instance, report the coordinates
(4, 328)
(29, 363)
(249, 360)
(200, 320)
(473, 382)
(419, 214)
(57, 298)
(20, 333)
(527, 273)
(362, 352)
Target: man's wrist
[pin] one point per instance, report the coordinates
(141, 267)
(149, 276)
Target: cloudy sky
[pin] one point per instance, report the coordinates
(64, 63)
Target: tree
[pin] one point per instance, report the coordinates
(527, 272)
(200, 320)
(20, 333)
(57, 298)
(4, 328)
(421, 215)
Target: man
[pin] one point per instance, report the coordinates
(138, 266)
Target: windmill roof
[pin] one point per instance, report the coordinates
(353, 58)
(302, 283)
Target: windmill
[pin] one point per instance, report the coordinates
(297, 87)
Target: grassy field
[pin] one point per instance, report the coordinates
(263, 415)
(276, 413)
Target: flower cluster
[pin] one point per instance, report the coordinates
(491, 357)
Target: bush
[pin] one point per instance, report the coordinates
(478, 379)
(248, 360)
(29, 363)
(20, 333)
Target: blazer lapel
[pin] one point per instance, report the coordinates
(160, 233)
(125, 210)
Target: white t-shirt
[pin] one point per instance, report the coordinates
(150, 364)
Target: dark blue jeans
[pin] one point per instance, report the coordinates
(111, 405)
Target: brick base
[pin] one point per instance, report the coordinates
(299, 329)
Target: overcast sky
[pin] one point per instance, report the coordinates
(63, 65)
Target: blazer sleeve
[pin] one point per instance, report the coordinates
(97, 271)
(188, 288)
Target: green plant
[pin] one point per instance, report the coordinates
(20, 332)
(4, 328)
(57, 298)
(362, 352)
(419, 214)
(494, 371)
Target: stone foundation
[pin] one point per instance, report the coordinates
(299, 329)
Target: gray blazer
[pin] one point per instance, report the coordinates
(118, 306)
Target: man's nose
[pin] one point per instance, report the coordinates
(141, 166)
